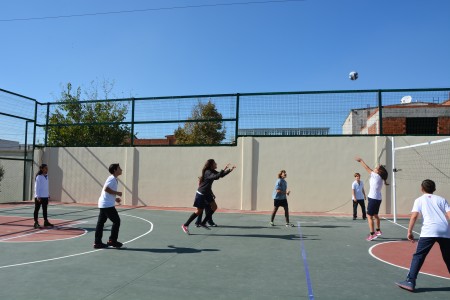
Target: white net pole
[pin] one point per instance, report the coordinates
(394, 186)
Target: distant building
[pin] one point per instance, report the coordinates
(169, 140)
(9, 145)
(403, 118)
(283, 131)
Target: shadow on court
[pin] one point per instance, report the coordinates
(264, 236)
(170, 249)
(438, 289)
(325, 226)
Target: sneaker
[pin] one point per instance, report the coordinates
(100, 246)
(371, 237)
(36, 225)
(48, 224)
(354, 218)
(271, 224)
(289, 225)
(378, 233)
(205, 226)
(408, 285)
(212, 224)
(115, 244)
(185, 229)
(197, 225)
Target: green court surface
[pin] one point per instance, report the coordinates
(243, 258)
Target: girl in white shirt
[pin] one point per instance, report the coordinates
(377, 176)
(41, 196)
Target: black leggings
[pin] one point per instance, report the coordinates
(37, 207)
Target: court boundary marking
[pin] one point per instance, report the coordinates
(82, 253)
(40, 231)
(386, 262)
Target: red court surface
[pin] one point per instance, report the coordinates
(20, 229)
(399, 253)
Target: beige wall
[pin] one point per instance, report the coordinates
(320, 172)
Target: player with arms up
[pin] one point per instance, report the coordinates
(377, 176)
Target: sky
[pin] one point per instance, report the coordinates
(194, 47)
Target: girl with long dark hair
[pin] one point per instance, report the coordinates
(204, 197)
(41, 196)
(377, 177)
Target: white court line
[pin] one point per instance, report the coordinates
(82, 253)
(377, 258)
(370, 252)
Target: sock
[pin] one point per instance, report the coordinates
(372, 233)
(208, 217)
(191, 218)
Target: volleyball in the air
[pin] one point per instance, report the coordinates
(353, 75)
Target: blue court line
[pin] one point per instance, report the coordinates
(305, 263)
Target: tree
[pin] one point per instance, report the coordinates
(202, 133)
(73, 121)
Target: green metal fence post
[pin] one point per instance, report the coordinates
(132, 121)
(236, 134)
(380, 113)
(46, 124)
(25, 161)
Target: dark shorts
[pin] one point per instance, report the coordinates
(278, 203)
(373, 207)
(202, 201)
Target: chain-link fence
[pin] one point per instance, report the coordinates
(184, 120)
(17, 115)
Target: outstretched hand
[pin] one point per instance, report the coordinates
(228, 167)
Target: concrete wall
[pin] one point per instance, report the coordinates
(320, 172)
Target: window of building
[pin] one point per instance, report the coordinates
(421, 125)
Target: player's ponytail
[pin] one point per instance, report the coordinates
(383, 173)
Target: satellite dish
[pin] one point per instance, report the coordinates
(406, 99)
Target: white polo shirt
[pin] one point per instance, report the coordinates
(433, 209)
(106, 199)
(358, 190)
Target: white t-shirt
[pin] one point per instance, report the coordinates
(358, 190)
(376, 183)
(433, 209)
(106, 199)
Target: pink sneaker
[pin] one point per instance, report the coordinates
(371, 237)
(185, 229)
(378, 232)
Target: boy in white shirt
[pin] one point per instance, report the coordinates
(106, 203)
(435, 212)
(358, 196)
